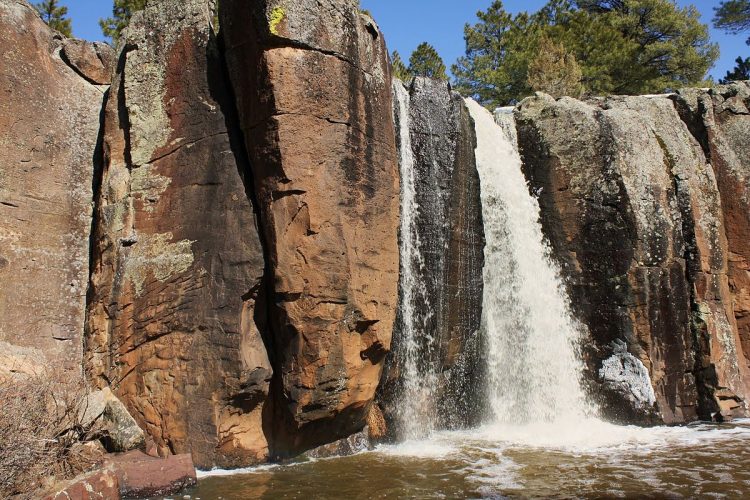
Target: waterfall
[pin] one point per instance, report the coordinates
(417, 411)
(535, 368)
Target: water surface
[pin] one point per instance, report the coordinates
(588, 459)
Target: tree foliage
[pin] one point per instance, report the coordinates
(733, 16)
(555, 70)
(425, 61)
(122, 11)
(54, 15)
(620, 46)
(740, 72)
(398, 68)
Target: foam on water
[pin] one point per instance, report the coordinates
(589, 436)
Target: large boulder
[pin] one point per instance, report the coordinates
(313, 88)
(177, 292)
(632, 209)
(49, 127)
(102, 409)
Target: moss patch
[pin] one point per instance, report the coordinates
(277, 15)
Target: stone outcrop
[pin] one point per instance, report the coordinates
(451, 238)
(49, 126)
(176, 310)
(313, 90)
(632, 208)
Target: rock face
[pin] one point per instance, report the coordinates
(176, 301)
(49, 125)
(448, 226)
(313, 89)
(631, 206)
(720, 120)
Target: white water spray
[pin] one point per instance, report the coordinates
(534, 372)
(417, 410)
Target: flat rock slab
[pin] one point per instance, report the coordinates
(140, 475)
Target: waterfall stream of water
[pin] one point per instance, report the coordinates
(534, 372)
(417, 409)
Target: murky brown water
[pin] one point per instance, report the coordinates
(589, 460)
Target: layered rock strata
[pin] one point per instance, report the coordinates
(49, 126)
(632, 208)
(177, 310)
(313, 90)
(450, 238)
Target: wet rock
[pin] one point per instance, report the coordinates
(49, 123)
(313, 90)
(142, 476)
(451, 243)
(376, 424)
(632, 210)
(176, 314)
(356, 443)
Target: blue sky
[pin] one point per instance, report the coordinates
(406, 23)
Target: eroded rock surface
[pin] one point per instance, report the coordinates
(313, 89)
(176, 314)
(49, 125)
(633, 211)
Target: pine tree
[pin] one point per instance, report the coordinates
(733, 16)
(555, 71)
(425, 61)
(122, 11)
(398, 68)
(620, 46)
(54, 15)
(740, 72)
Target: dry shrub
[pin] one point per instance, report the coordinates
(41, 431)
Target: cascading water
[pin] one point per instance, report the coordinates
(416, 412)
(534, 372)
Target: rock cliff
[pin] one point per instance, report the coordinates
(177, 303)
(214, 237)
(313, 89)
(632, 207)
(49, 128)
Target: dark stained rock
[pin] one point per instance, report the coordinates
(313, 89)
(449, 229)
(49, 125)
(142, 476)
(633, 212)
(176, 310)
